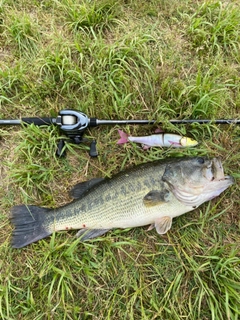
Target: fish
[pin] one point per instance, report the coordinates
(158, 140)
(151, 193)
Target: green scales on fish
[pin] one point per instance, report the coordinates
(148, 194)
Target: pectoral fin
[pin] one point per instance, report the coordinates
(78, 190)
(163, 224)
(156, 197)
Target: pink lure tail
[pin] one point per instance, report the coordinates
(123, 137)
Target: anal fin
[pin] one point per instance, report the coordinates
(86, 234)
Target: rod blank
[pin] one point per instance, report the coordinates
(10, 122)
(186, 121)
(47, 121)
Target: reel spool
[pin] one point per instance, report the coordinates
(72, 122)
(68, 120)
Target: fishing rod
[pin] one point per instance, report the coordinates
(73, 123)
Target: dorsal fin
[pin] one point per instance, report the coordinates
(80, 188)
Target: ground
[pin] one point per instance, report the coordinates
(119, 60)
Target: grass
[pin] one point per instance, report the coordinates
(118, 60)
(214, 27)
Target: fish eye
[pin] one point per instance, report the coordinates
(200, 160)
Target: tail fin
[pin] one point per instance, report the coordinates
(123, 137)
(30, 225)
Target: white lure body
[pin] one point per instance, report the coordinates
(159, 140)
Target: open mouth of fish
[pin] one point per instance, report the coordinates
(205, 184)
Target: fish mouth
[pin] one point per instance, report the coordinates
(216, 184)
(206, 185)
(214, 170)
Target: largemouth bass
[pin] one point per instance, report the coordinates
(148, 194)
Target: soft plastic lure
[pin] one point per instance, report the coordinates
(158, 140)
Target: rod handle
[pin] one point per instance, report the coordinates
(38, 121)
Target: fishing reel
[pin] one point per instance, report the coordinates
(73, 124)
